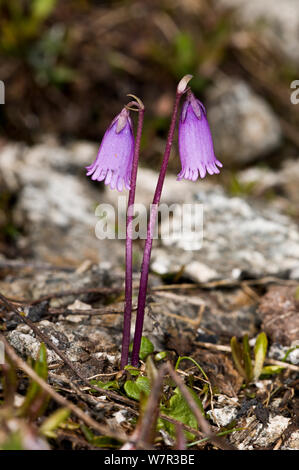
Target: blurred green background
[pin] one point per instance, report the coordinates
(68, 65)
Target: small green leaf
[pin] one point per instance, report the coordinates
(143, 383)
(270, 370)
(41, 365)
(111, 385)
(87, 433)
(161, 355)
(105, 441)
(260, 351)
(54, 421)
(34, 390)
(238, 188)
(179, 409)
(146, 348)
(134, 389)
(99, 441)
(132, 370)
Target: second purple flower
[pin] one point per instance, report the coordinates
(195, 142)
(114, 161)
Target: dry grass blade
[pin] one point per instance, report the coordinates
(151, 413)
(224, 348)
(225, 283)
(44, 338)
(180, 443)
(104, 430)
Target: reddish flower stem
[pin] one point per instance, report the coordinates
(149, 238)
(129, 268)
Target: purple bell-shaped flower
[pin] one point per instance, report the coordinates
(195, 142)
(114, 161)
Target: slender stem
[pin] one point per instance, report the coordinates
(149, 238)
(129, 269)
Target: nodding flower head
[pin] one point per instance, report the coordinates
(114, 161)
(195, 141)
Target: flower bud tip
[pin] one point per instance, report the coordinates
(141, 105)
(181, 88)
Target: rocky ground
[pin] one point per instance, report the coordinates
(243, 280)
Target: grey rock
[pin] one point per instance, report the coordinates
(28, 346)
(281, 185)
(172, 189)
(47, 283)
(292, 443)
(237, 235)
(79, 342)
(243, 125)
(56, 202)
(266, 435)
(216, 314)
(280, 22)
(224, 411)
(258, 434)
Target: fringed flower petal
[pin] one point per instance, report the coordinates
(114, 160)
(195, 142)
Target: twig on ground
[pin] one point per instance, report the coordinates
(195, 322)
(110, 374)
(226, 283)
(287, 365)
(224, 348)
